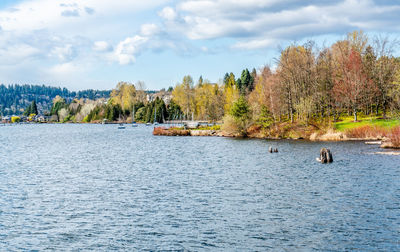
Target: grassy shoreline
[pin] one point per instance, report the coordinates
(366, 129)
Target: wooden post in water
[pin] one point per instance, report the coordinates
(272, 150)
(325, 156)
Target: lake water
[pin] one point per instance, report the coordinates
(94, 187)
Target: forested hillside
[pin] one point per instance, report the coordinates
(15, 98)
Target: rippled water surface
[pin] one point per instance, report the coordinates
(94, 187)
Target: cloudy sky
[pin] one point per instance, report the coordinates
(82, 44)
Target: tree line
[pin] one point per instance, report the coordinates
(127, 102)
(15, 98)
(308, 84)
(355, 75)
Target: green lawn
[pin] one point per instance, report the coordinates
(347, 123)
(215, 127)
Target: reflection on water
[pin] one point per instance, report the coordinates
(94, 187)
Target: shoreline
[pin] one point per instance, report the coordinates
(221, 133)
(329, 136)
(383, 142)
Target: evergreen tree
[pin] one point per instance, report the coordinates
(200, 82)
(31, 109)
(240, 109)
(27, 111)
(245, 81)
(174, 111)
(140, 114)
(149, 113)
(226, 79)
(116, 112)
(34, 109)
(253, 76)
(239, 85)
(241, 113)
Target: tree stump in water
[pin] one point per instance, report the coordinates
(325, 156)
(272, 150)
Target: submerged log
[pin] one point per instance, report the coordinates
(325, 156)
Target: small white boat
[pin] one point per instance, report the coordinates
(134, 125)
(148, 124)
(121, 126)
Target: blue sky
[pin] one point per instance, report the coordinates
(81, 44)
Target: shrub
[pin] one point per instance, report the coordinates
(254, 129)
(367, 131)
(214, 127)
(158, 130)
(15, 119)
(394, 136)
(68, 118)
(239, 118)
(161, 131)
(86, 119)
(230, 126)
(265, 119)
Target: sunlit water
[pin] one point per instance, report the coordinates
(94, 187)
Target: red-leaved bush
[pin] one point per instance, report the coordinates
(161, 131)
(394, 136)
(158, 130)
(367, 131)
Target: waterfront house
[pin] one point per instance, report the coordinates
(6, 119)
(42, 118)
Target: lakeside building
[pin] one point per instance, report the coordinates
(42, 118)
(165, 96)
(6, 119)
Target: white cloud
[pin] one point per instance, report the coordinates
(89, 10)
(64, 69)
(73, 74)
(127, 50)
(255, 44)
(256, 24)
(67, 29)
(64, 53)
(64, 33)
(70, 13)
(46, 14)
(168, 13)
(15, 54)
(149, 29)
(102, 46)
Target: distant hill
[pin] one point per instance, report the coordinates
(15, 98)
